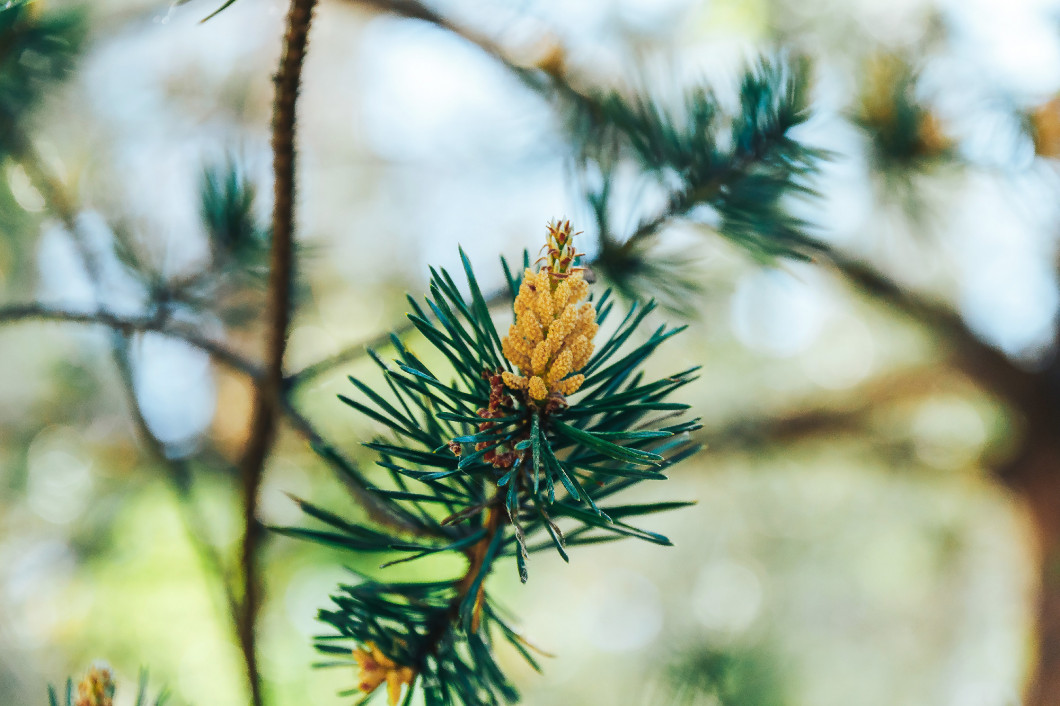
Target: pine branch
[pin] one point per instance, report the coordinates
(981, 361)
(476, 555)
(744, 165)
(414, 10)
(278, 310)
(538, 425)
(711, 189)
(178, 472)
(15, 313)
(476, 565)
(745, 183)
(347, 471)
(63, 206)
(849, 414)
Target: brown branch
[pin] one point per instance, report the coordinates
(979, 360)
(278, 310)
(414, 10)
(378, 510)
(849, 413)
(476, 557)
(16, 313)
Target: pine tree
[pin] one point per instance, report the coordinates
(495, 445)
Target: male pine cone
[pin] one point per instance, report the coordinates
(552, 336)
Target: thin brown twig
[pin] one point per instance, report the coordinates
(414, 10)
(379, 511)
(476, 555)
(476, 560)
(269, 392)
(978, 359)
(130, 324)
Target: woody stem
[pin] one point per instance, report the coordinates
(477, 558)
(476, 555)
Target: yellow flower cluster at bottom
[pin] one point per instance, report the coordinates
(96, 689)
(376, 668)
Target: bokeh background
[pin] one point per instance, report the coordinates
(851, 544)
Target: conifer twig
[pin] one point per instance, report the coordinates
(378, 511)
(682, 202)
(476, 556)
(278, 312)
(978, 359)
(14, 313)
(476, 560)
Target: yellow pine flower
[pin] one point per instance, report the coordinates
(551, 338)
(539, 360)
(514, 381)
(537, 388)
(96, 688)
(561, 367)
(376, 668)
